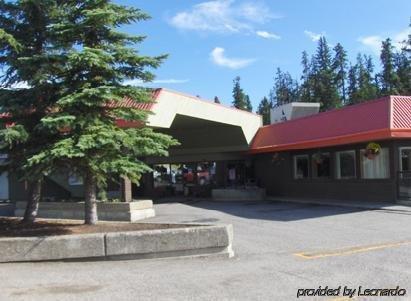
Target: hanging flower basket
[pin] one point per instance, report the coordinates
(372, 150)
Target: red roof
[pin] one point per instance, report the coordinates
(401, 112)
(128, 102)
(384, 118)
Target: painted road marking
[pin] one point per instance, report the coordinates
(350, 251)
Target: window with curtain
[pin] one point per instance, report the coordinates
(320, 163)
(345, 164)
(377, 167)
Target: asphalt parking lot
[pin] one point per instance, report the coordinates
(281, 249)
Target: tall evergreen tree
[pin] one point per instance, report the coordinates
(402, 62)
(324, 87)
(388, 77)
(240, 99)
(352, 87)
(339, 66)
(264, 109)
(27, 56)
(94, 60)
(285, 89)
(407, 46)
(8, 40)
(306, 87)
(366, 86)
(248, 104)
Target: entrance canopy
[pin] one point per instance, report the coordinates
(169, 104)
(206, 130)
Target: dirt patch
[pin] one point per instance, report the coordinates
(12, 227)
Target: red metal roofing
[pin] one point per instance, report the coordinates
(401, 112)
(128, 102)
(383, 118)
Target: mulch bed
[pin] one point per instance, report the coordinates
(12, 227)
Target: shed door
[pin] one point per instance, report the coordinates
(4, 186)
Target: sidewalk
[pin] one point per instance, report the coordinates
(400, 206)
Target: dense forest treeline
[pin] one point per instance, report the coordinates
(330, 79)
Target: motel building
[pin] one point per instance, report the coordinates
(359, 152)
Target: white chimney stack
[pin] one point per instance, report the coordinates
(293, 110)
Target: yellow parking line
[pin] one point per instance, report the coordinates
(349, 251)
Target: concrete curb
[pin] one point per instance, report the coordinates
(129, 212)
(202, 240)
(51, 248)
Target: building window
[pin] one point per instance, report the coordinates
(405, 158)
(301, 167)
(75, 179)
(377, 167)
(178, 175)
(321, 166)
(345, 164)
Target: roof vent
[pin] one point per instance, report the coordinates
(293, 110)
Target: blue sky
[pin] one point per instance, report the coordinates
(211, 42)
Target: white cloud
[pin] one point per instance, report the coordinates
(139, 82)
(400, 37)
(267, 35)
(256, 12)
(223, 16)
(217, 57)
(314, 36)
(373, 42)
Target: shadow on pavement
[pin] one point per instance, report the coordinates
(266, 210)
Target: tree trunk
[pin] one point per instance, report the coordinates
(33, 200)
(126, 190)
(90, 200)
